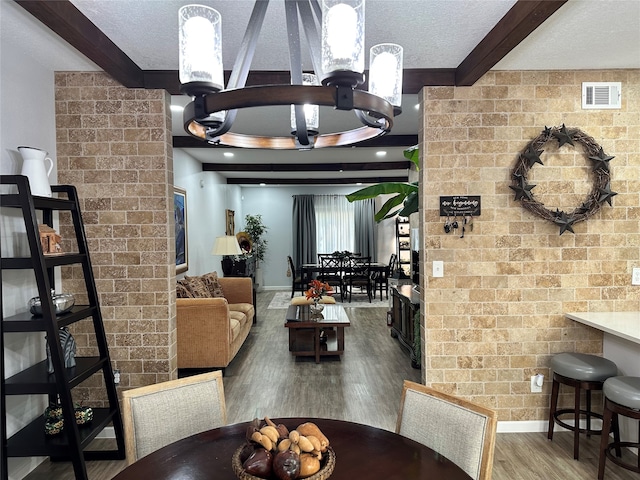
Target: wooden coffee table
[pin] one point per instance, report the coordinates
(305, 329)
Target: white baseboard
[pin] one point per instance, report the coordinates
(525, 426)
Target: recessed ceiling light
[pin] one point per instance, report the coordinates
(417, 107)
(228, 154)
(176, 108)
(381, 153)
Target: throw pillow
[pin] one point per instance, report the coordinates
(197, 287)
(182, 291)
(213, 284)
(303, 300)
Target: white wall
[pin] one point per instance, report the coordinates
(27, 117)
(208, 197)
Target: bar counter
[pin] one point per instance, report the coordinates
(620, 324)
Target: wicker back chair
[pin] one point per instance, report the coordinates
(462, 431)
(163, 413)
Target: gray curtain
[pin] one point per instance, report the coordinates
(365, 228)
(304, 230)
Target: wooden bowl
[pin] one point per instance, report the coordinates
(327, 465)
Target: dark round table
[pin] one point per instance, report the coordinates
(362, 452)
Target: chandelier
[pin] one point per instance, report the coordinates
(337, 57)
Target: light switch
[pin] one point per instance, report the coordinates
(635, 277)
(438, 268)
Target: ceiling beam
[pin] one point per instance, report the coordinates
(522, 19)
(313, 181)
(71, 25)
(383, 141)
(305, 167)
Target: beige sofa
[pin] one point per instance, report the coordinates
(211, 329)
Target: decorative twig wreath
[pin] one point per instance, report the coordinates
(600, 192)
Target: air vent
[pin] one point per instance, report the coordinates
(601, 95)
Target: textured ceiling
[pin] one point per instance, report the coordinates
(434, 33)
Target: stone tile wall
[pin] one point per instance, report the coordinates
(497, 316)
(114, 145)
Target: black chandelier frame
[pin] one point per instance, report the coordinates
(338, 91)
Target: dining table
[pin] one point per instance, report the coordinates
(361, 452)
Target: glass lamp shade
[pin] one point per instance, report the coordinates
(342, 36)
(385, 72)
(311, 112)
(200, 49)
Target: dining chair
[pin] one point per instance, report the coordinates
(298, 281)
(331, 270)
(157, 415)
(381, 277)
(462, 431)
(358, 275)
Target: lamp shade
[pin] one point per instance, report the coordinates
(385, 72)
(342, 36)
(200, 49)
(226, 245)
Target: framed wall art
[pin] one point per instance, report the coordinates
(180, 218)
(231, 223)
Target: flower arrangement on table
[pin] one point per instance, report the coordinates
(317, 290)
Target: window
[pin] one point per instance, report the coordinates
(334, 223)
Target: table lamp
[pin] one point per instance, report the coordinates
(227, 246)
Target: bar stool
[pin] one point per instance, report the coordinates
(582, 372)
(621, 397)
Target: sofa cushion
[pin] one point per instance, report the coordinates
(236, 319)
(197, 287)
(244, 308)
(213, 284)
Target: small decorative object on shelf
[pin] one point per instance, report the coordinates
(54, 420)
(274, 452)
(68, 344)
(49, 240)
(62, 302)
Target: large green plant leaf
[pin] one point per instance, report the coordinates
(407, 193)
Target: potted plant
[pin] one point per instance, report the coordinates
(256, 230)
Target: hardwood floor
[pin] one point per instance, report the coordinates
(363, 386)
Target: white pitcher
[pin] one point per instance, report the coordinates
(33, 167)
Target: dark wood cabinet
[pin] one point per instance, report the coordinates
(405, 320)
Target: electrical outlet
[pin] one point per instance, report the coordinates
(116, 376)
(536, 383)
(635, 276)
(438, 268)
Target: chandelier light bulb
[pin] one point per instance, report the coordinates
(385, 72)
(311, 112)
(342, 35)
(200, 48)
